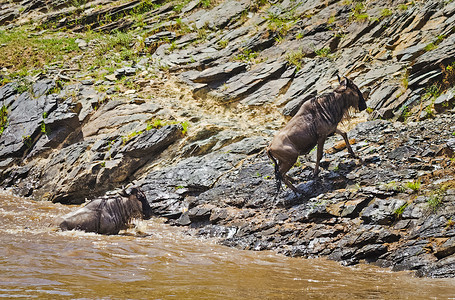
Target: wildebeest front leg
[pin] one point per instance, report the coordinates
(321, 142)
(346, 140)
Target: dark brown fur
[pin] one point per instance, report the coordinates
(315, 120)
(107, 215)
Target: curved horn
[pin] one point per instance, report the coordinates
(339, 79)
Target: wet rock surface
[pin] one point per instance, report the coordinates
(189, 117)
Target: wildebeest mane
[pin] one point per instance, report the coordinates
(122, 214)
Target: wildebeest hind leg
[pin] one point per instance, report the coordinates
(284, 168)
(287, 181)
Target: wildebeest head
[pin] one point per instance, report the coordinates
(347, 83)
(134, 192)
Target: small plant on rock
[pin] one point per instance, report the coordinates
(436, 196)
(413, 185)
(448, 75)
(23, 85)
(358, 12)
(127, 138)
(280, 24)
(429, 111)
(3, 119)
(223, 43)
(399, 211)
(433, 45)
(386, 12)
(27, 140)
(323, 52)
(450, 223)
(405, 113)
(247, 55)
(202, 34)
(405, 80)
(434, 201)
(185, 127)
(433, 91)
(44, 129)
(155, 124)
(295, 58)
(205, 3)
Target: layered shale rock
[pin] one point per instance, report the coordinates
(187, 106)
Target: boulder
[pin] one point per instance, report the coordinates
(445, 101)
(239, 86)
(219, 73)
(222, 15)
(430, 61)
(24, 123)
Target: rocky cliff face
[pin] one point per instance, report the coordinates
(183, 97)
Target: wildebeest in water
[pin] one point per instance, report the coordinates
(315, 120)
(108, 215)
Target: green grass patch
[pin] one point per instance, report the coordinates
(22, 85)
(433, 91)
(323, 52)
(155, 124)
(386, 12)
(115, 41)
(25, 51)
(281, 23)
(436, 196)
(223, 43)
(205, 3)
(405, 113)
(158, 123)
(247, 56)
(433, 45)
(294, 58)
(131, 135)
(413, 185)
(358, 12)
(434, 201)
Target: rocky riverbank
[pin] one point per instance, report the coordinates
(183, 97)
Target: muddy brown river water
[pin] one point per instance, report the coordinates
(38, 262)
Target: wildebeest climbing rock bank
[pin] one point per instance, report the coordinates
(182, 98)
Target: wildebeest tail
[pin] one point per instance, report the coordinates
(278, 176)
